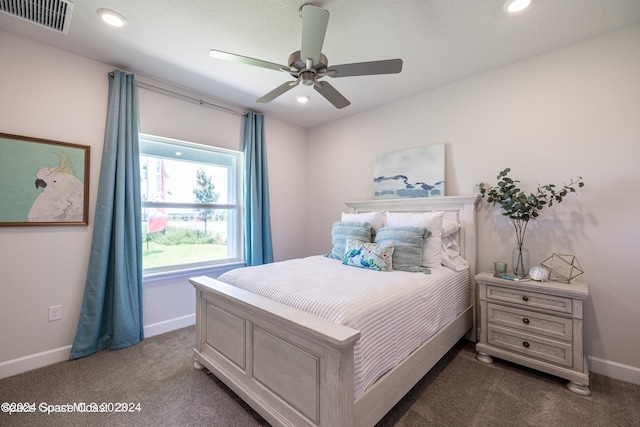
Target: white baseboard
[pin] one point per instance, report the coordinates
(169, 325)
(614, 370)
(12, 367)
(34, 361)
(56, 355)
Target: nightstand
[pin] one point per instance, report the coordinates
(534, 324)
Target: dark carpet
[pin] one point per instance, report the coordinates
(154, 384)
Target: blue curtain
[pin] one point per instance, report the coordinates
(257, 239)
(111, 315)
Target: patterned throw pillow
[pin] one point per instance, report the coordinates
(369, 255)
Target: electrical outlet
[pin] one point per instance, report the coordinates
(55, 312)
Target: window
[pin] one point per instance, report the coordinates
(191, 211)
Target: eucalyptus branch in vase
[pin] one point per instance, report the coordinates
(520, 208)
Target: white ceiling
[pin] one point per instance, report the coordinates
(440, 41)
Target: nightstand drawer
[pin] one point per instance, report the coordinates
(529, 299)
(530, 345)
(531, 322)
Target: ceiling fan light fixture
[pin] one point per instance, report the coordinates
(515, 6)
(303, 99)
(112, 17)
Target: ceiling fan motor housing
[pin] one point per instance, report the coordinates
(308, 78)
(296, 62)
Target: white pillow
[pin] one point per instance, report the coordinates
(376, 219)
(449, 226)
(432, 221)
(451, 255)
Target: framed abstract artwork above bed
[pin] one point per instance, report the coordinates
(418, 172)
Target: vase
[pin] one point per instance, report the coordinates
(520, 261)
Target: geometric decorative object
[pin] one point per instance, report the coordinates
(563, 268)
(417, 172)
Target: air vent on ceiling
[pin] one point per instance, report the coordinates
(52, 14)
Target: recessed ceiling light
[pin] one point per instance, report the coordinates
(513, 6)
(112, 17)
(302, 99)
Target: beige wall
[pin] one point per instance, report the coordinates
(572, 112)
(47, 93)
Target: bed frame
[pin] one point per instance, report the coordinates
(295, 368)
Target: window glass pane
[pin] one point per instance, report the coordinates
(190, 210)
(172, 237)
(175, 181)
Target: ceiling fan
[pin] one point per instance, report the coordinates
(308, 65)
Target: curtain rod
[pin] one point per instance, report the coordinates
(187, 98)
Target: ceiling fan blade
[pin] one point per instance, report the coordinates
(314, 28)
(278, 91)
(389, 66)
(217, 54)
(332, 95)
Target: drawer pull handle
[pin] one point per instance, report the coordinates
(525, 320)
(526, 344)
(525, 298)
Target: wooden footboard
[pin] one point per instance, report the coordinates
(293, 368)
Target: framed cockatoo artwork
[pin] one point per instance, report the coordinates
(43, 182)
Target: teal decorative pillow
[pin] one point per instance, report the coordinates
(409, 244)
(340, 231)
(369, 255)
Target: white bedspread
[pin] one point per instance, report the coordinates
(394, 311)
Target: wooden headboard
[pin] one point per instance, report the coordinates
(459, 208)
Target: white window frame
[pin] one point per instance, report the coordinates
(235, 226)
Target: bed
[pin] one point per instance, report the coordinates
(297, 368)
